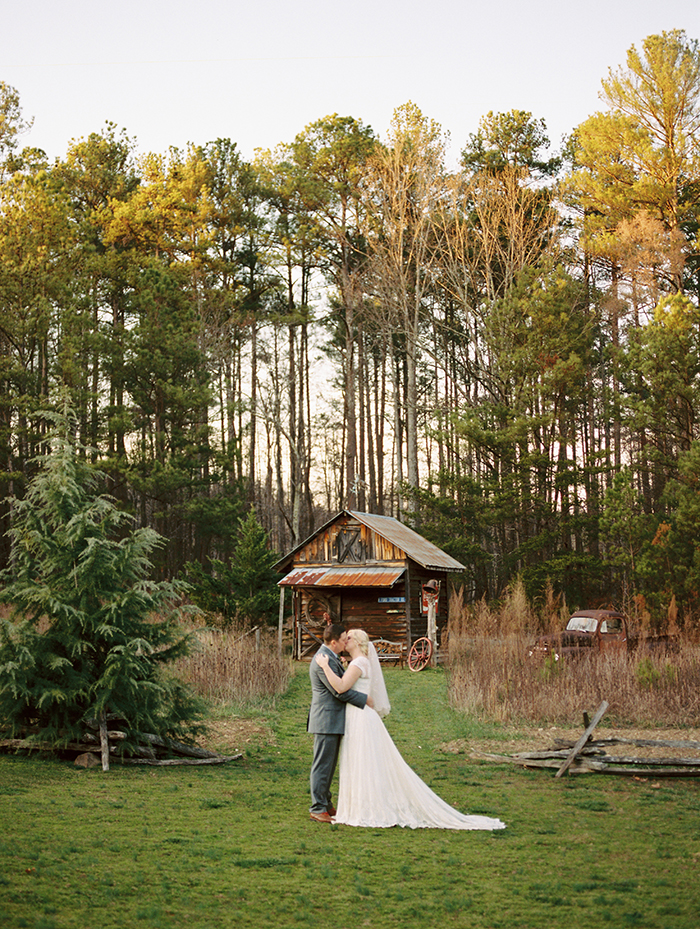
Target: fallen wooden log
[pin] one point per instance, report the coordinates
(661, 762)
(193, 751)
(656, 770)
(587, 764)
(642, 743)
(597, 754)
(559, 753)
(180, 748)
(578, 766)
(214, 759)
(31, 745)
(146, 753)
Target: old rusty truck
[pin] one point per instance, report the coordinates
(590, 632)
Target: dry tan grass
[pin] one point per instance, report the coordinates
(491, 675)
(236, 665)
(231, 734)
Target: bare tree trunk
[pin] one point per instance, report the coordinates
(615, 339)
(253, 410)
(398, 434)
(293, 438)
(380, 405)
(350, 411)
(412, 398)
(369, 419)
(308, 496)
(361, 379)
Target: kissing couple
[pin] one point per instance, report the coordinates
(376, 787)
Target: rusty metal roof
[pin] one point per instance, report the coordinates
(343, 576)
(405, 538)
(303, 577)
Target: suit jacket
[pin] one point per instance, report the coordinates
(327, 713)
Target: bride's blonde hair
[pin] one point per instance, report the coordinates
(362, 639)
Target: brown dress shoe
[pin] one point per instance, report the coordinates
(321, 817)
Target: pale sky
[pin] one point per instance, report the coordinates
(171, 72)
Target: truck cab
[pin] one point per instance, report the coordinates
(586, 631)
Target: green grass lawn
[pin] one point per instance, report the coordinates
(232, 845)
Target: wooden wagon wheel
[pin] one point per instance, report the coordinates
(420, 654)
(316, 605)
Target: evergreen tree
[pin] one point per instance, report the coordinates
(639, 159)
(255, 580)
(624, 531)
(90, 635)
(247, 588)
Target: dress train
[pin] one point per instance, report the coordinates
(377, 788)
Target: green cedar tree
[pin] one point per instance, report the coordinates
(89, 634)
(246, 589)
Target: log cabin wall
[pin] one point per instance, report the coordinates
(380, 611)
(362, 608)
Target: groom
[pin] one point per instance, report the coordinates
(327, 722)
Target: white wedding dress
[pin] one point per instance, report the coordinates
(376, 786)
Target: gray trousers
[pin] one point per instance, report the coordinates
(326, 748)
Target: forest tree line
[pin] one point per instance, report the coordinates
(511, 352)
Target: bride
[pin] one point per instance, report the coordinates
(376, 786)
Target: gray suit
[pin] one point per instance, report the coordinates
(327, 723)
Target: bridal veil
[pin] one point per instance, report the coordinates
(377, 687)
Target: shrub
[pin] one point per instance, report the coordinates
(647, 674)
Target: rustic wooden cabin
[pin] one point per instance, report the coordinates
(366, 571)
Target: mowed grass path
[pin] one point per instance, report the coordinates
(233, 846)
